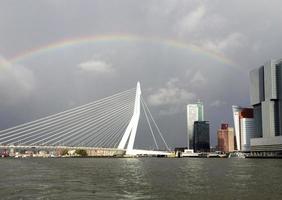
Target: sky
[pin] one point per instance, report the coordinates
(55, 55)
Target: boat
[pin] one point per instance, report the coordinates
(237, 154)
(189, 153)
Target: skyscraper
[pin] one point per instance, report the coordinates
(266, 98)
(225, 138)
(244, 127)
(195, 112)
(201, 136)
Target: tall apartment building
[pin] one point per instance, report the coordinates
(195, 112)
(244, 126)
(201, 136)
(266, 99)
(225, 138)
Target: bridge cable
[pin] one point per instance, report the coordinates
(42, 124)
(65, 112)
(51, 137)
(155, 123)
(53, 127)
(148, 121)
(38, 130)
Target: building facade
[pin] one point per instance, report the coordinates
(195, 112)
(225, 139)
(201, 136)
(266, 98)
(244, 126)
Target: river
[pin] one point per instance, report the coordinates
(140, 178)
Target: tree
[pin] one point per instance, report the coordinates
(81, 152)
(65, 152)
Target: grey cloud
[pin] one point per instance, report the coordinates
(170, 95)
(232, 40)
(198, 78)
(191, 21)
(16, 82)
(96, 66)
(217, 103)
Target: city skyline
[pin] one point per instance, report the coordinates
(74, 53)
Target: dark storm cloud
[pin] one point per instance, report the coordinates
(247, 32)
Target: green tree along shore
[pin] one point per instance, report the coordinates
(65, 152)
(77, 152)
(81, 152)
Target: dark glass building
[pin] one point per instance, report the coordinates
(201, 139)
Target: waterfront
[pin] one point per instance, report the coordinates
(140, 178)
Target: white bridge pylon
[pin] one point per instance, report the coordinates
(130, 132)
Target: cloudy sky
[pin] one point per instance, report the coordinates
(181, 51)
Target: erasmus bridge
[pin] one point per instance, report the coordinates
(109, 123)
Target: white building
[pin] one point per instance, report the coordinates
(244, 127)
(195, 112)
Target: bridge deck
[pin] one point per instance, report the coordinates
(95, 151)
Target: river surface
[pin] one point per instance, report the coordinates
(142, 178)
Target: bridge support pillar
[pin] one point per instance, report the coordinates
(130, 132)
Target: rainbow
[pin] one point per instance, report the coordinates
(72, 42)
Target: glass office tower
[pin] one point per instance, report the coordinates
(201, 136)
(195, 112)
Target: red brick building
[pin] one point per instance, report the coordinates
(225, 139)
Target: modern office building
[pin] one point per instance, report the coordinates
(225, 139)
(195, 112)
(266, 99)
(244, 127)
(201, 136)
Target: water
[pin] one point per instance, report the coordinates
(145, 178)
